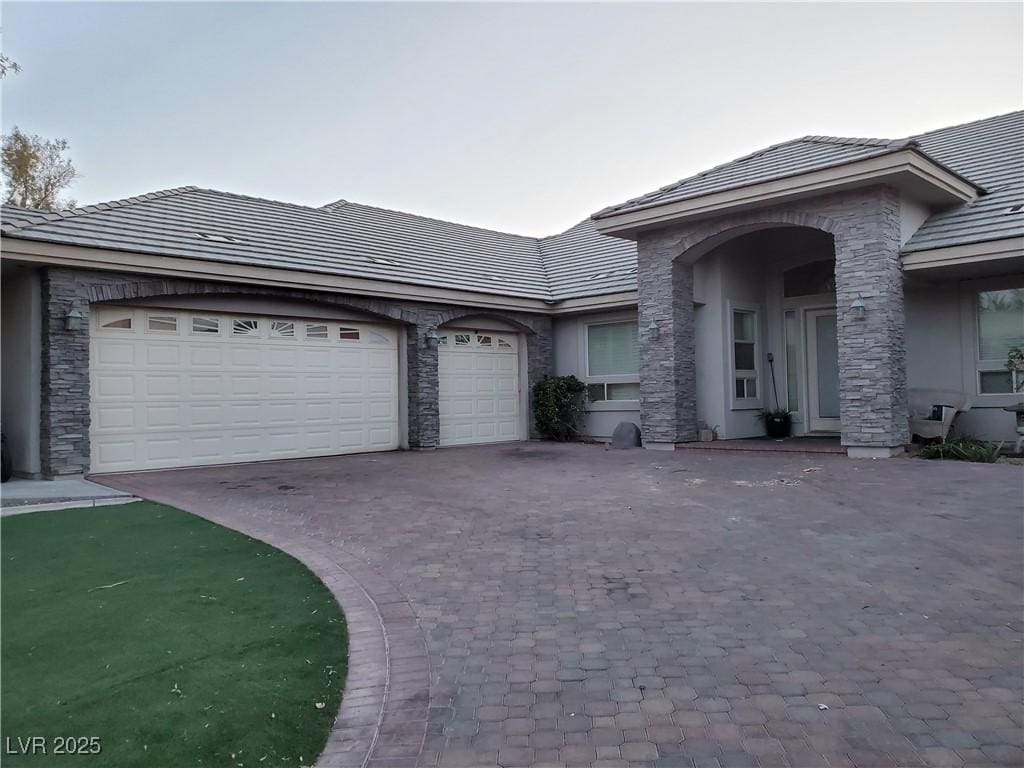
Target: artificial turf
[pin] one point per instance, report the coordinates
(175, 641)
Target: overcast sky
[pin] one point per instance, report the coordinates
(524, 118)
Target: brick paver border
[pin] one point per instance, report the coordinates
(382, 722)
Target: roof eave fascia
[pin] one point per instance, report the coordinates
(873, 170)
(599, 303)
(156, 266)
(952, 255)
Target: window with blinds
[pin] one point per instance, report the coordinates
(1000, 328)
(613, 361)
(613, 349)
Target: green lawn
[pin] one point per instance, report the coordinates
(175, 641)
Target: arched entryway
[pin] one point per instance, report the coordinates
(716, 321)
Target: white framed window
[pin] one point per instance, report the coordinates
(791, 326)
(743, 356)
(205, 325)
(316, 331)
(612, 360)
(622, 391)
(1000, 326)
(484, 341)
(462, 339)
(348, 334)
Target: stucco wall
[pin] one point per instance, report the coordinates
(942, 349)
(569, 338)
(20, 348)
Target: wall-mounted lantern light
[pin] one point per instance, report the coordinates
(73, 319)
(431, 338)
(653, 331)
(858, 309)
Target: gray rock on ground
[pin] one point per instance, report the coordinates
(626, 435)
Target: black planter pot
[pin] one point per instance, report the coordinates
(778, 426)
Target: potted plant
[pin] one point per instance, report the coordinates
(777, 423)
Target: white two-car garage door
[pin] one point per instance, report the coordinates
(478, 378)
(172, 388)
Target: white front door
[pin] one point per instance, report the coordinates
(822, 370)
(478, 378)
(171, 388)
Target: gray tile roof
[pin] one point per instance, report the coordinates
(989, 153)
(341, 238)
(791, 158)
(583, 262)
(361, 241)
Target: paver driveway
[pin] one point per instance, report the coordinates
(583, 606)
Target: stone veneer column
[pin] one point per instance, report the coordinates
(423, 414)
(64, 402)
(668, 383)
(539, 363)
(872, 352)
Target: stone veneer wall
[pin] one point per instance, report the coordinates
(865, 225)
(64, 431)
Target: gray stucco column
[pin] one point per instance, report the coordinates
(424, 417)
(872, 352)
(668, 383)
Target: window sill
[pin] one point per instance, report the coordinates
(613, 405)
(744, 405)
(996, 400)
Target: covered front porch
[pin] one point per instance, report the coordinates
(766, 334)
(797, 309)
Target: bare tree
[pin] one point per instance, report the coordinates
(36, 171)
(8, 66)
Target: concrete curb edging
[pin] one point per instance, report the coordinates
(382, 722)
(50, 506)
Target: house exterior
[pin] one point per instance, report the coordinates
(824, 275)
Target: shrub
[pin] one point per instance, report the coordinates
(962, 449)
(558, 403)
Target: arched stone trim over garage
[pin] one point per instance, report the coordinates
(865, 226)
(132, 290)
(64, 427)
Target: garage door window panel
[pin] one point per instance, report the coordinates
(123, 323)
(205, 326)
(245, 327)
(161, 324)
(282, 329)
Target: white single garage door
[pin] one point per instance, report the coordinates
(478, 375)
(172, 388)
